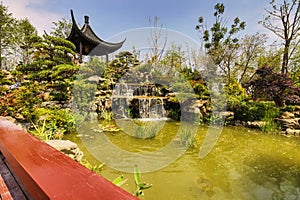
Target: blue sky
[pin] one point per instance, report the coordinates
(108, 18)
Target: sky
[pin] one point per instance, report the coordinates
(108, 18)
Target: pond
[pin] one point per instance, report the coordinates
(244, 163)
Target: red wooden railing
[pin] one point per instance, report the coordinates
(45, 173)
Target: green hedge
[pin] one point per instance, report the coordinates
(248, 110)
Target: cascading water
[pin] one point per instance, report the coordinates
(147, 106)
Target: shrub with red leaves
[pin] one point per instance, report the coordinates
(274, 86)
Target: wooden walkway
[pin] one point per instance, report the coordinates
(9, 188)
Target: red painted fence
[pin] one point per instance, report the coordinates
(45, 173)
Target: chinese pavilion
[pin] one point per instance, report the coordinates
(88, 43)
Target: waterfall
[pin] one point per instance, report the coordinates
(151, 107)
(139, 99)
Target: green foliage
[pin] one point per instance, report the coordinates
(270, 126)
(96, 66)
(24, 32)
(109, 126)
(83, 96)
(254, 111)
(94, 168)
(106, 115)
(140, 186)
(233, 88)
(21, 101)
(174, 114)
(235, 93)
(174, 57)
(3, 79)
(56, 119)
(290, 108)
(186, 137)
(48, 131)
(201, 90)
(197, 82)
(119, 180)
(84, 90)
(62, 28)
(63, 71)
(270, 57)
(218, 34)
(146, 129)
(220, 41)
(52, 65)
(120, 65)
(8, 30)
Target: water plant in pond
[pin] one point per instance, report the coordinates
(106, 115)
(119, 180)
(107, 126)
(145, 130)
(94, 168)
(186, 137)
(140, 186)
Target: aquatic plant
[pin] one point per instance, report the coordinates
(186, 137)
(119, 180)
(146, 129)
(110, 127)
(94, 168)
(106, 115)
(140, 186)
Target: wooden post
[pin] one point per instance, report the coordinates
(106, 56)
(80, 52)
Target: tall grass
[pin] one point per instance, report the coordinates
(270, 126)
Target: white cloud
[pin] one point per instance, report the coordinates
(40, 18)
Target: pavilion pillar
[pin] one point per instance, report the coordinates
(106, 56)
(80, 52)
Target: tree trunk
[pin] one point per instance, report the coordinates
(285, 58)
(0, 47)
(0, 56)
(279, 101)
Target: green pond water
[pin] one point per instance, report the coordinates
(244, 163)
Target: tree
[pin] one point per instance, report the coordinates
(25, 31)
(52, 66)
(62, 28)
(251, 47)
(287, 12)
(174, 57)
(7, 30)
(157, 46)
(220, 42)
(276, 86)
(270, 57)
(118, 67)
(294, 65)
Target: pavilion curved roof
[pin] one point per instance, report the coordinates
(87, 42)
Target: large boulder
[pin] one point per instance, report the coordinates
(67, 147)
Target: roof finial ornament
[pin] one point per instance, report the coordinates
(86, 19)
